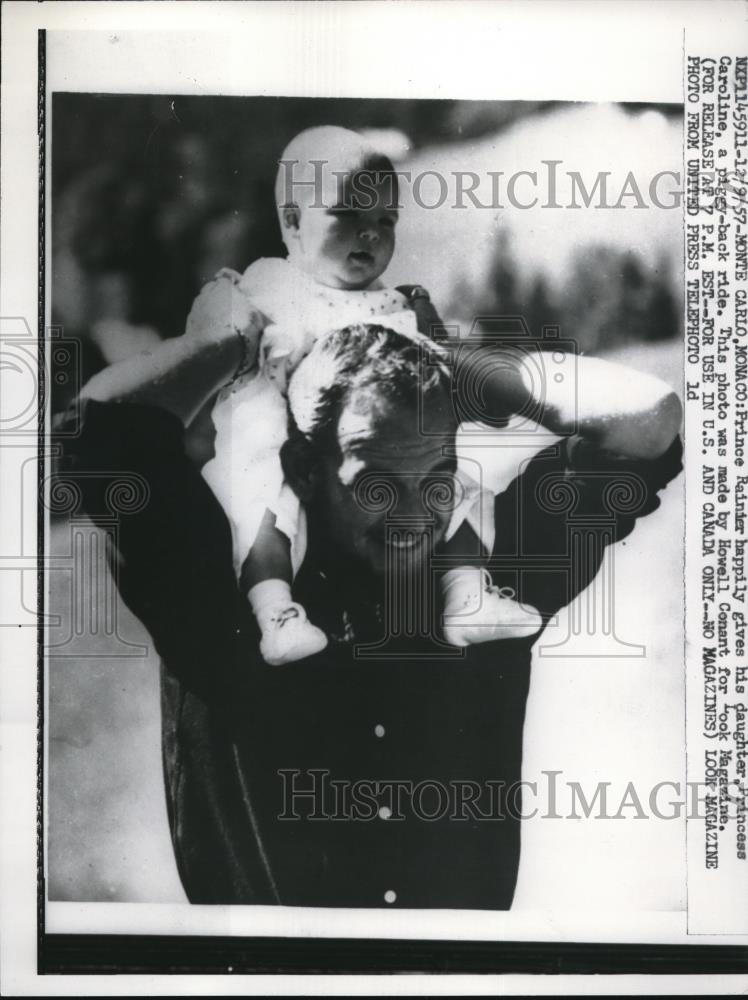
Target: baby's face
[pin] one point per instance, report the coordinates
(348, 242)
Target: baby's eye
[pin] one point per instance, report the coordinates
(388, 222)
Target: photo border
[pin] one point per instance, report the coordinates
(180, 954)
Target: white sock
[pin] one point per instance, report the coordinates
(268, 595)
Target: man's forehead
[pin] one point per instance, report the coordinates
(393, 428)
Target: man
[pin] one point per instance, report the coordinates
(321, 783)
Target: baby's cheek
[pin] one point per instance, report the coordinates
(335, 242)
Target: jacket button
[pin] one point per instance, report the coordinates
(390, 896)
(379, 730)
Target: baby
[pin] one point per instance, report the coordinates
(337, 204)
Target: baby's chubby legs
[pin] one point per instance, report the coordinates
(266, 577)
(474, 610)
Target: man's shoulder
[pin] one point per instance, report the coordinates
(88, 426)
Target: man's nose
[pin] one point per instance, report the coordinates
(412, 505)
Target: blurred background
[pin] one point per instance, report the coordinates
(150, 197)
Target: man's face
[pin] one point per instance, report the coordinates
(386, 499)
(349, 242)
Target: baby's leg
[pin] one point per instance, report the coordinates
(269, 558)
(474, 610)
(287, 634)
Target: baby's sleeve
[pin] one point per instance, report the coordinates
(267, 285)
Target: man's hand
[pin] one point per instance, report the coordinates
(222, 309)
(180, 375)
(620, 410)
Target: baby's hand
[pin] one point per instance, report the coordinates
(222, 310)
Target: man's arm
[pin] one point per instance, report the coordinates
(171, 554)
(617, 409)
(180, 375)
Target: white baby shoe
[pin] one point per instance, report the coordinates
(477, 611)
(288, 635)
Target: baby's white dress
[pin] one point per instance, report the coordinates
(250, 414)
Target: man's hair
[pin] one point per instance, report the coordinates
(363, 357)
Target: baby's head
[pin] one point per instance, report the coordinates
(337, 205)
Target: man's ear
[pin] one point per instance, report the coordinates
(300, 463)
(290, 216)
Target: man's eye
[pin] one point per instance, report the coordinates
(375, 492)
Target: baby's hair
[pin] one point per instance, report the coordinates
(361, 357)
(328, 147)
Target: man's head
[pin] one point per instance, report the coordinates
(371, 444)
(337, 205)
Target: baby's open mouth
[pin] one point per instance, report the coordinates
(362, 257)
